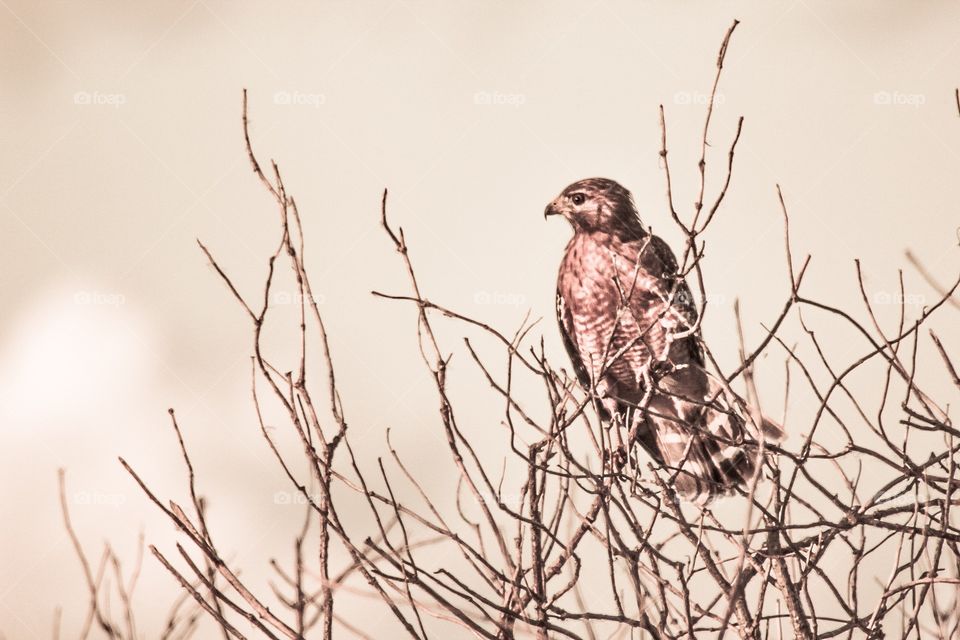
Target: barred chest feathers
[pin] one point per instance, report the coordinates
(596, 273)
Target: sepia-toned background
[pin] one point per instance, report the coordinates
(122, 144)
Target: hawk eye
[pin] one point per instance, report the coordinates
(578, 199)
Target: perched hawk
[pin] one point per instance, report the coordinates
(629, 323)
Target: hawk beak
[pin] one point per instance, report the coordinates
(551, 210)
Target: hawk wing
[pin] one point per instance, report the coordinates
(658, 261)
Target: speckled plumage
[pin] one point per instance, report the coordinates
(628, 322)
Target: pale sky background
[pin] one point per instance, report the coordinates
(122, 144)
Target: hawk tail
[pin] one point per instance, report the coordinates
(708, 449)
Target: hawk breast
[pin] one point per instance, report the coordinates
(614, 304)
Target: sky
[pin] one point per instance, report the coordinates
(123, 145)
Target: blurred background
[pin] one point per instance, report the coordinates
(122, 143)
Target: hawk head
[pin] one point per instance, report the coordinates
(598, 204)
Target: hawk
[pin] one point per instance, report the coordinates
(629, 324)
